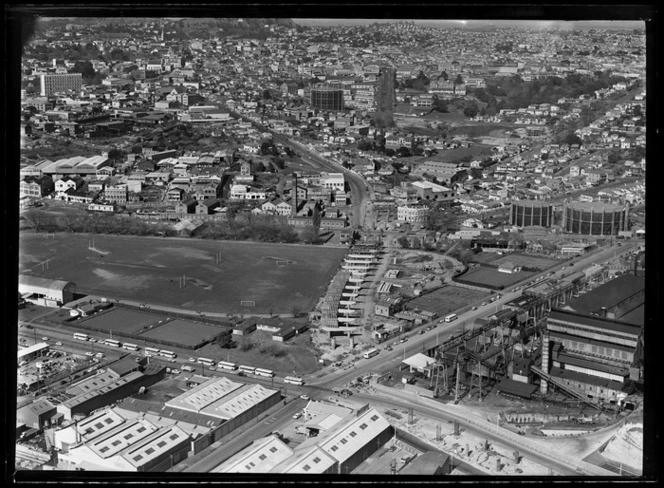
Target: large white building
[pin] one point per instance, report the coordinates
(412, 213)
(110, 441)
(333, 181)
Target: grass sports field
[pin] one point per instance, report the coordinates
(207, 276)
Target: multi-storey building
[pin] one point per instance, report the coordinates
(51, 84)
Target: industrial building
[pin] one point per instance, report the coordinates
(44, 291)
(595, 218)
(221, 398)
(56, 83)
(105, 388)
(527, 213)
(327, 97)
(594, 356)
(338, 450)
(37, 414)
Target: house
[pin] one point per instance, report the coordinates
(175, 194)
(207, 207)
(186, 207)
(68, 183)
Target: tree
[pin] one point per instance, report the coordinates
(296, 311)
(403, 242)
(458, 80)
(260, 167)
(471, 110)
(279, 162)
(440, 105)
(310, 235)
(365, 145)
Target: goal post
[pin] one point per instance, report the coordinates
(282, 263)
(247, 303)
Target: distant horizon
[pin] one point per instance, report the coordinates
(470, 24)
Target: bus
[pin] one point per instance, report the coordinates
(205, 361)
(151, 351)
(264, 372)
(294, 380)
(227, 365)
(451, 317)
(112, 343)
(370, 353)
(130, 347)
(81, 337)
(167, 354)
(247, 369)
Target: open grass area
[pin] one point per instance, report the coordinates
(528, 261)
(121, 320)
(492, 278)
(446, 299)
(217, 275)
(184, 332)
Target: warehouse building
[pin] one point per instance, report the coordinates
(221, 398)
(37, 414)
(338, 450)
(105, 388)
(44, 291)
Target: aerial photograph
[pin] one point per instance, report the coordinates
(386, 249)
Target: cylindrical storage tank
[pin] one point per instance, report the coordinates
(595, 218)
(327, 97)
(527, 213)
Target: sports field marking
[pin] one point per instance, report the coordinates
(247, 303)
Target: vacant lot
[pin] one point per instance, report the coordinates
(446, 300)
(208, 276)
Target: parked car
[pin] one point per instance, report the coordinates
(304, 397)
(297, 415)
(58, 343)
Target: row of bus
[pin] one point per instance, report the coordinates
(108, 342)
(225, 365)
(267, 373)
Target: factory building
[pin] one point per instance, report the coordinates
(528, 213)
(342, 447)
(44, 291)
(595, 218)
